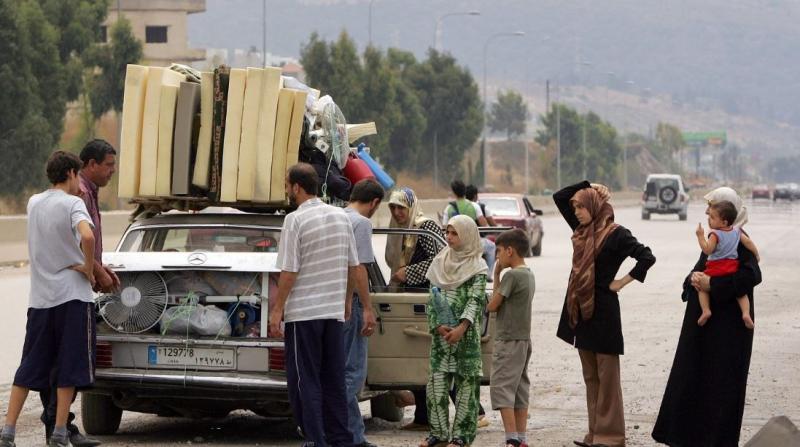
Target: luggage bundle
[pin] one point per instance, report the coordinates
(227, 137)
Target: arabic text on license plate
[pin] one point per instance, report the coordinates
(184, 356)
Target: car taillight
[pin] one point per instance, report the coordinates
(103, 354)
(277, 359)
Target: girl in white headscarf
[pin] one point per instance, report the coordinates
(455, 318)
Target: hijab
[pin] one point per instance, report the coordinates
(453, 266)
(587, 241)
(726, 194)
(400, 248)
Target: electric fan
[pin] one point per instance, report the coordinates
(330, 134)
(137, 305)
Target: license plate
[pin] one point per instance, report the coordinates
(183, 356)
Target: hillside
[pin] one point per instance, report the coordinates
(704, 64)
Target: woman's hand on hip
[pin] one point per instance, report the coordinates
(617, 284)
(400, 275)
(701, 281)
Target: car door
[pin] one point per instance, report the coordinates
(399, 351)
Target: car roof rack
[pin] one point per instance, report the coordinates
(147, 207)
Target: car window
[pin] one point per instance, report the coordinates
(664, 182)
(198, 238)
(502, 206)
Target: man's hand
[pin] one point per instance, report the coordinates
(456, 334)
(88, 272)
(275, 317)
(114, 277)
(105, 283)
(369, 322)
(602, 190)
(701, 281)
(400, 275)
(699, 231)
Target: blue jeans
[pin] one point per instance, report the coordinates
(355, 371)
(489, 253)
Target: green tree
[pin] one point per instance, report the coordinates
(599, 156)
(106, 84)
(315, 56)
(669, 140)
(452, 107)
(509, 114)
(43, 42)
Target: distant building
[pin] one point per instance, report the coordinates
(241, 58)
(161, 25)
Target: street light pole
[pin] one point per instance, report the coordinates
(369, 27)
(485, 105)
(264, 33)
(437, 43)
(437, 31)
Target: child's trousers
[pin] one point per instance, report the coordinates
(465, 424)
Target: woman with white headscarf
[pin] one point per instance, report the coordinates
(704, 400)
(455, 316)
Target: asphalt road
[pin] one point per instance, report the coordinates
(651, 312)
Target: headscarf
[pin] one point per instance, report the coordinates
(587, 241)
(455, 265)
(724, 194)
(400, 248)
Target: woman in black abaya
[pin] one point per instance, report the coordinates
(705, 395)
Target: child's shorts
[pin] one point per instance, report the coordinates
(59, 347)
(721, 267)
(510, 385)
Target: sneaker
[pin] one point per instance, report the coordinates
(7, 442)
(77, 439)
(56, 441)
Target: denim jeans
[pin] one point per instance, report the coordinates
(355, 354)
(489, 253)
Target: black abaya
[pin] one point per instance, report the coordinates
(705, 395)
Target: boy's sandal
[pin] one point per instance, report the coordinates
(513, 442)
(457, 442)
(432, 441)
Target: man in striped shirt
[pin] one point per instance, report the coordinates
(317, 256)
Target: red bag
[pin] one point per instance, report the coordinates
(356, 169)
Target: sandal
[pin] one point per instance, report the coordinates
(513, 442)
(457, 442)
(431, 441)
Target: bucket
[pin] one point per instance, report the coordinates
(356, 169)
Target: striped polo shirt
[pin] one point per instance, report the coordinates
(317, 243)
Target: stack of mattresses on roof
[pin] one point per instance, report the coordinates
(227, 139)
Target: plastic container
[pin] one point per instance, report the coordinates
(356, 169)
(380, 175)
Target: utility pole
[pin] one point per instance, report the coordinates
(558, 146)
(583, 145)
(264, 33)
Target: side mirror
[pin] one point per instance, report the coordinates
(537, 212)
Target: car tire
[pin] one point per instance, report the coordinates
(668, 195)
(682, 216)
(645, 215)
(383, 407)
(537, 250)
(99, 414)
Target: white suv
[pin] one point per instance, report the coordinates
(664, 194)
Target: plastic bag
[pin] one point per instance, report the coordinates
(195, 319)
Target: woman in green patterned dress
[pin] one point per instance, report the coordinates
(455, 316)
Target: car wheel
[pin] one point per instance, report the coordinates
(645, 215)
(537, 250)
(668, 194)
(99, 414)
(383, 407)
(682, 216)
